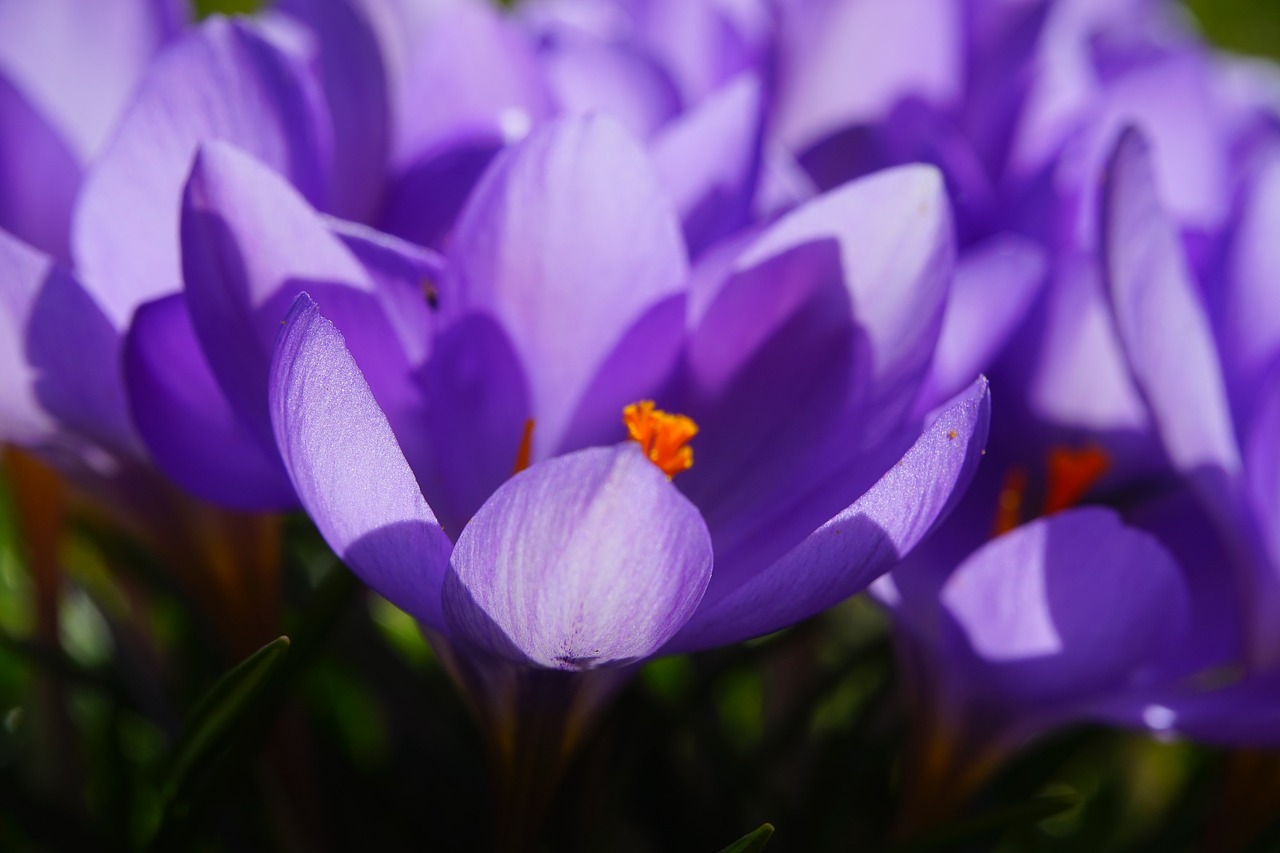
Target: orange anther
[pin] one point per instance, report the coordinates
(663, 436)
(525, 449)
(1071, 474)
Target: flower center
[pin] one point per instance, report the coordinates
(661, 435)
(1069, 475)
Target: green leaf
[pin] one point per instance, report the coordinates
(990, 825)
(226, 711)
(752, 842)
(205, 8)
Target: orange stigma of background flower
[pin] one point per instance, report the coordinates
(1069, 475)
(661, 435)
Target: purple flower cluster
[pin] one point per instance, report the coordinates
(613, 328)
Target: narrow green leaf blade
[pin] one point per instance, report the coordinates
(752, 842)
(222, 713)
(990, 825)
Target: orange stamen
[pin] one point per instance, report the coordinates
(1072, 473)
(525, 449)
(1013, 493)
(661, 435)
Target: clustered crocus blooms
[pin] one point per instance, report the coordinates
(606, 330)
(1140, 262)
(457, 424)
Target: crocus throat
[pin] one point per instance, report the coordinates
(663, 436)
(1070, 474)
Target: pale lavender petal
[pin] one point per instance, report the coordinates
(79, 62)
(1060, 609)
(1070, 359)
(61, 353)
(429, 192)
(709, 160)
(1174, 104)
(896, 248)
(23, 272)
(191, 431)
(844, 63)
(568, 241)
(354, 73)
(860, 543)
(471, 71)
(39, 174)
(1250, 335)
(587, 76)
(811, 355)
(250, 244)
(703, 45)
(224, 81)
(1162, 323)
(348, 470)
(407, 281)
(995, 286)
(585, 560)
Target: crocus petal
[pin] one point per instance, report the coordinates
(893, 231)
(428, 193)
(587, 76)
(61, 356)
(348, 470)
(406, 279)
(860, 543)
(23, 420)
(830, 43)
(79, 62)
(703, 45)
(250, 244)
(709, 160)
(472, 70)
(190, 428)
(1061, 608)
(39, 174)
(568, 240)
(1173, 102)
(1161, 321)
(995, 286)
(585, 560)
(1263, 462)
(478, 403)
(1251, 314)
(354, 75)
(223, 81)
(1071, 360)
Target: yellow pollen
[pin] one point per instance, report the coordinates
(661, 435)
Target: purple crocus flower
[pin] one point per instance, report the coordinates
(1210, 383)
(567, 308)
(565, 299)
(995, 652)
(1070, 617)
(286, 89)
